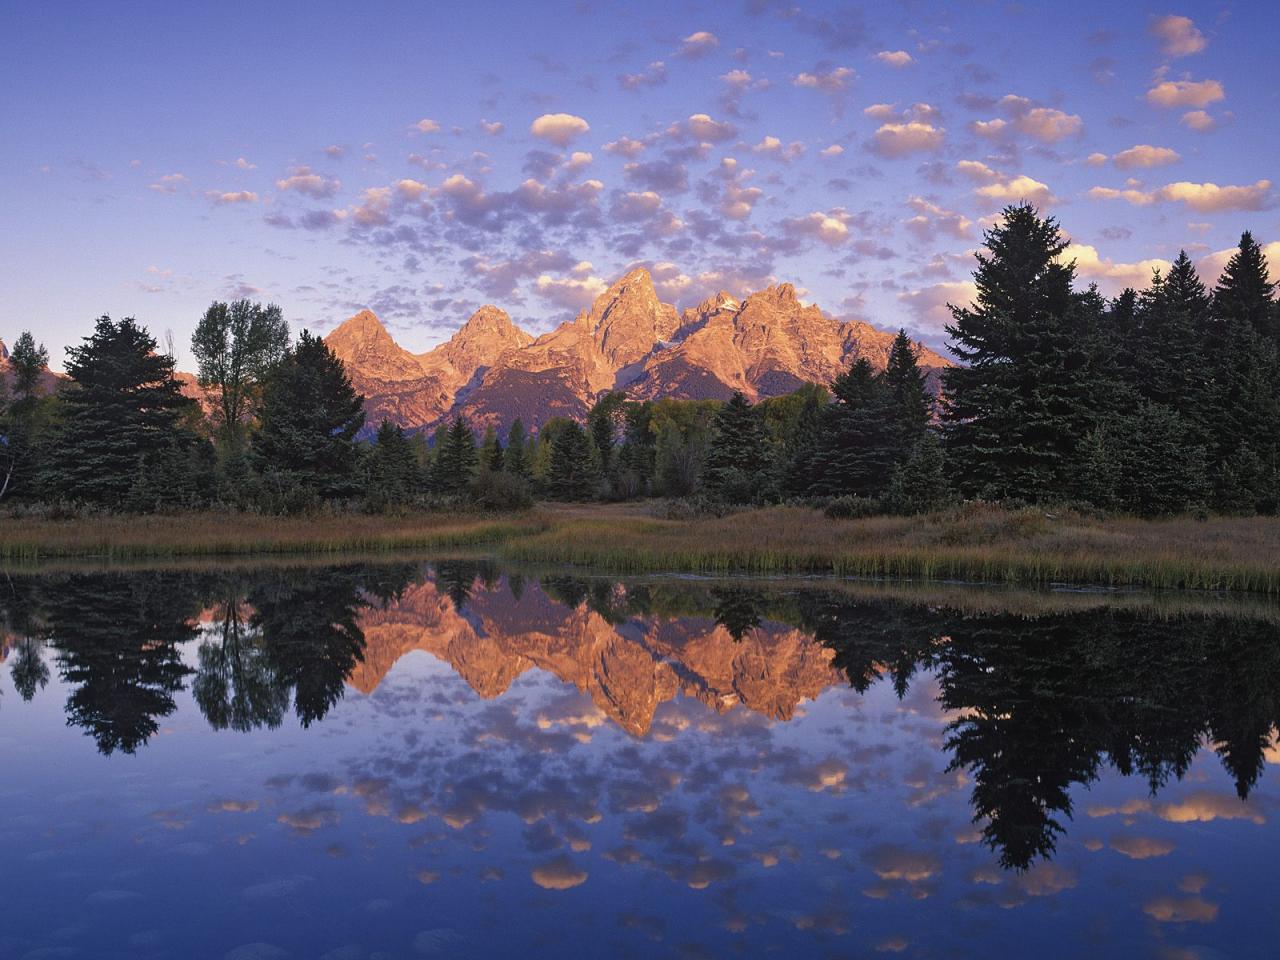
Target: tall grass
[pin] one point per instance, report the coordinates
(216, 534)
(978, 543)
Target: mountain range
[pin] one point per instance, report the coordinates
(490, 372)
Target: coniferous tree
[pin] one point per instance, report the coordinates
(1245, 291)
(859, 438)
(1021, 400)
(306, 447)
(571, 471)
(456, 460)
(1168, 343)
(798, 461)
(919, 483)
(636, 457)
(122, 409)
(393, 469)
(1144, 462)
(515, 459)
(734, 467)
(604, 422)
(23, 417)
(490, 450)
(906, 383)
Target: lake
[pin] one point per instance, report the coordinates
(450, 759)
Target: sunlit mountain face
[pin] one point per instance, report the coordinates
(457, 760)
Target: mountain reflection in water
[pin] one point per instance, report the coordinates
(797, 724)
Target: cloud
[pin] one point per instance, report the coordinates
(625, 147)
(929, 304)
(895, 58)
(426, 125)
(1145, 155)
(1112, 276)
(559, 128)
(574, 292)
(1016, 190)
(1141, 848)
(931, 219)
(306, 181)
(1210, 266)
(1199, 121)
(1185, 93)
(1180, 910)
(698, 44)
(1201, 197)
(169, 183)
(881, 111)
(774, 147)
(238, 196)
(1046, 124)
(1178, 36)
(243, 164)
(654, 75)
(703, 129)
(830, 228)
(977, 171)
(665, 175)
(836, 80)
(334, 150)
(834, 150)
(900, 139)
(559, 873)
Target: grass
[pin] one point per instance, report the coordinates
(974, 543)
(977, 543)
(25, 541)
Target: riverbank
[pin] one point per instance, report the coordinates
(976, 543)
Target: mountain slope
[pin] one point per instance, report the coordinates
(491, 372)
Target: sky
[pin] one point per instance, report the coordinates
(424, 159)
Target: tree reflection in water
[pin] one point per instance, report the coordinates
(1041, 702)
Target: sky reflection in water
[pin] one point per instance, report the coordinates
(447, 761)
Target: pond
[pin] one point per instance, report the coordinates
(454, 760)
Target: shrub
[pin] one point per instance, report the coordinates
(499, 490)
(852, 507)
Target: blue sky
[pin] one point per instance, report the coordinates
(330, 156)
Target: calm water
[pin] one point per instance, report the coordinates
(445, 760)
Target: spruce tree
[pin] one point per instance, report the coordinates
(1167, 365)
(23, 417)
(919, 483)
(737, 453)
(305, 447)
(456, 460)
(516, 456)
(122, 408)
(604, 422)
(1020, 401)
(393, 471)
(1245, 292)
(571, 472)
(913, 406)
(491, 451)
(858, 442)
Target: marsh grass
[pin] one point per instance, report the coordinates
(114, 538)
(976, 543)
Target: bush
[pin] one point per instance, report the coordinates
(853, 507)
(692, 508)
(499, 490)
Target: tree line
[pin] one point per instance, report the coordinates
(1159, 401)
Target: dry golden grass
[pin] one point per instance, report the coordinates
(973, 543)
(229, 534)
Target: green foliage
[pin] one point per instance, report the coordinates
(736, 453)
(571, 472)
(305, 449)
(235, 346)
(516, 460)
(1144, 463)
(394, 477)
(500, 491)
(456, 460)
(122, 411)
(24, 419)
(605, 421)
(919, 484)
(858, 439)
(491, 452)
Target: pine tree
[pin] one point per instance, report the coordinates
(858, 442)
(1245, 291)
(919, 483)
(122, 407)
(456, 460)
(906, 383)
(394, 475)
(305, 448)
(604, 422)
(491, 450)
(1167, 346)
(1021, 401)
(1145, 462)
(571, 472)
(737, 453)
(798, 461)
(516, 456)
(23, 418)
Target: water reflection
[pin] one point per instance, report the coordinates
(1023, 702)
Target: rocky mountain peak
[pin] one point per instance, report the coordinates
(487, 334)
(363, 342)
(628, 319)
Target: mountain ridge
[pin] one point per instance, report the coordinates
(491, 371)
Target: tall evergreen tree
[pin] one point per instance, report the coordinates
(306, 447)
(22, 417)
(456, 460)
(1020, 401)
(1167, 365)
(516, 456)
(605, 421)
(858, 441)
(571, 473)
(394, 476)
(906, 383)
(1245, 292)
(737, 453)
(491, 454)
(122, 407)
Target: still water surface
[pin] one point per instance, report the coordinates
(448, 760)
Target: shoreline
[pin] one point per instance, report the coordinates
(976, 543)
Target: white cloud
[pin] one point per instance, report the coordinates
(698, 44)
(895, 58)
(776, 148)
(1016, 190)
(1210, 266)
(237, 196)
(836, 80)
(492, 127)
(1178, 36)
(559, 128)
(931, 219)
(169, 183)
(1144, 155)
(1112, 277)
(899, 139)
(832, 151)
(1185, 93)
(574, 293)
(929, 304)
(831, 228)
(306, 181)
(426, 125)
(625, 147)
(1199, 121)
(244, 164)
(1046, 124)
(1201, 197)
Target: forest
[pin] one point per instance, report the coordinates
(1158, 402)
